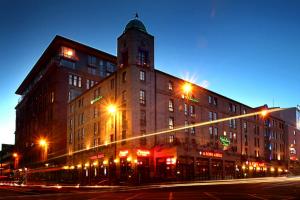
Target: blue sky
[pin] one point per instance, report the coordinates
(246, 50)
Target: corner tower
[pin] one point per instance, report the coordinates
(135, 46)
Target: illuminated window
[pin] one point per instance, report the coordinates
(170, 85)
(171, 138)
(171, 123)
(171, 105)
(79, 81)
(192, 110)
(68, 52)
(186, 123)
(209, 99)
(142, 75)
(215, 115)
(142, 97)
(210, 116)
(87, 84)
(96, 125)
(216, 132)
(215, 101)
(245, 127)
(186, 109)
(142, 57)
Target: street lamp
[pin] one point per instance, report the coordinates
(16, 161)
(264, 113)
(44, 144)
(187, 88)
(112, 109)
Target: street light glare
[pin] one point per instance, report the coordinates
(187, 87)
(111, 108)
(15, 155)
(42, 142)
(264, 113)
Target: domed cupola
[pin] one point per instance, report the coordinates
(135, 24)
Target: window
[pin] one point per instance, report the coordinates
(170, 86)
(143, 118)
(124, 77)
(96, 125)
(216, 132)
(111, 137)
(245, 127)
(215, 115)
(112, 83)
(171, 123)
(91, 70)
(215, 101)
(171, 105)
(193, 129)
(210, 131)
(87, 84)
(192, 110)
(71, 138)
(142, 57)
(74, 80)
(92, 60)
(186, 124)
(210, 116)
(171, 138)
(232, 108)
(142, 75)
(244, 111)
(68, 52)
(124, 96)
(142, 97)
(186, 109)
(209, 99)
(79, 81)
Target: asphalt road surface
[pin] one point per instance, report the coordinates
(263, 188)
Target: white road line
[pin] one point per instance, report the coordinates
(211, 195)
(134, 196)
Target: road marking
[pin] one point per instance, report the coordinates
(134, 196)
(257, 197)
(211, 195)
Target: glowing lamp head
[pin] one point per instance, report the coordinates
(15, 155)
(111, 109)
(42, 142)
(187, 88)
(264, 113)
(70, 53)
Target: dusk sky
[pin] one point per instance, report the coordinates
(246, 50)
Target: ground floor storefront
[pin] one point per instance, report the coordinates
(140, 165)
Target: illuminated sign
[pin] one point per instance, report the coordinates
(224, 140)
(142, 153)
(96, 99)
(123, 153)
(255, 164)
(293, 158)
(100, 155)
(190, 98)
(211, 154)
(170, 161)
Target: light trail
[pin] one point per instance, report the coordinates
(261, 113)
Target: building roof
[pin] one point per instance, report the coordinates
(52, 48)
(135, 24)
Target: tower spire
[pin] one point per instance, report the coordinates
(136, 15)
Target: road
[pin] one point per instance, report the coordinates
(262, 188)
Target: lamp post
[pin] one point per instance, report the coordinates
(112, 110)
(44, 145)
